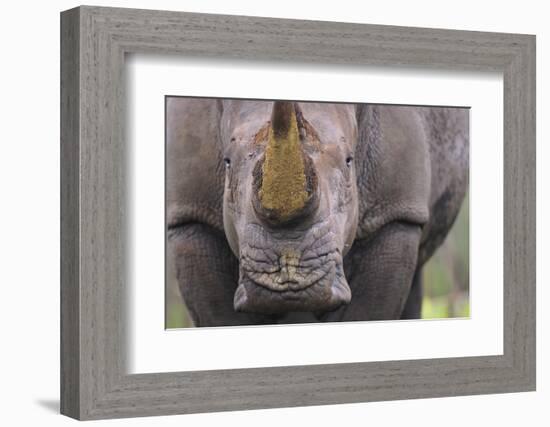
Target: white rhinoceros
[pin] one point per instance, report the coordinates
(283, 212)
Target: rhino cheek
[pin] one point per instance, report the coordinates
(236, 211)
(230, 230)
(341, 292)
(343, 210)
(350, 226)
(240, 300)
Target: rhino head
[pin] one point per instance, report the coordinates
(290, 202)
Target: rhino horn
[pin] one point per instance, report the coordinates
(287, 175)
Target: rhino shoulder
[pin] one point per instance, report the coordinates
(447, 133)
(393, 167)
(194, 163)
(412, 167)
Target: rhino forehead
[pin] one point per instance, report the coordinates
(242, 119)
(333, 123)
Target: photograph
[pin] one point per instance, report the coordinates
(291, 211)
(279, 213)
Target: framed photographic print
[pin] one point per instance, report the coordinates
(261, 213)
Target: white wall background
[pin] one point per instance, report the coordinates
(29, 212)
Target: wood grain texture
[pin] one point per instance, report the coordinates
(70, 292)
(95, 238)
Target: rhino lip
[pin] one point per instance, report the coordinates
(288, 270)
(287, 286)
(327, 293)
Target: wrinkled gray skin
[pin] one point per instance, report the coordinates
(391, 180)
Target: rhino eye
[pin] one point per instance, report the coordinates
(349, 161)
(227, 162)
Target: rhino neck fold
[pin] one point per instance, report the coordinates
(284, 185)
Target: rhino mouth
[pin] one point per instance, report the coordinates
(279, 275)
(321, 296)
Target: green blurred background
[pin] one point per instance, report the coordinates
(447, 274)
(446, 279)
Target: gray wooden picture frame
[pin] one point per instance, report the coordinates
(94, 382)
